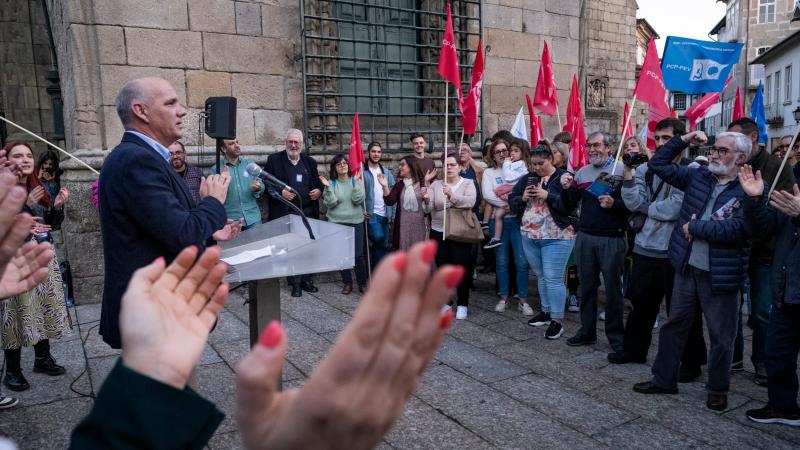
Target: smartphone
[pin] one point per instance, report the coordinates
(534, 180)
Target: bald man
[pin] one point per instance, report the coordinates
(146, 208)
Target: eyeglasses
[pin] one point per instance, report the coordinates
(595, 145)
(500, 151)
(720, 151)
(342, 164)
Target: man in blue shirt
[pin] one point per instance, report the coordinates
(240, 204)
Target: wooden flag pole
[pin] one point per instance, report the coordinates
(444, 163)
(783, 163)
(50, 144)
(366, 235)
(558, 115)
(622, 141)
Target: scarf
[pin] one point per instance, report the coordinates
(409, 196)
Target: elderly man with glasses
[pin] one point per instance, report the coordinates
(600, 242)
(709, 251)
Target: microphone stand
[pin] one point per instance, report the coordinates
(291, 206)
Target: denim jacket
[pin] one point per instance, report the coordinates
(369, 186)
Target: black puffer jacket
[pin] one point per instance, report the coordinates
(763, 220)
(562, 216)
(729, 243)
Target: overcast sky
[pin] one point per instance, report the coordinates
(685, 18)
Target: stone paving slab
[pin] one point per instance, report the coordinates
(496, 383)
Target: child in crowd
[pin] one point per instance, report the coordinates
(514, 168)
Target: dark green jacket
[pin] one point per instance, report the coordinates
(763, 245)
(134, 411)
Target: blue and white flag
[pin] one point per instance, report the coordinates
(519, 130)
(758, 114)
(696, 67)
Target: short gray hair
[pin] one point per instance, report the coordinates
(606, 137)
(292, 131)
(133, 91)
(742, 144)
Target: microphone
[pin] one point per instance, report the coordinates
(254, 170)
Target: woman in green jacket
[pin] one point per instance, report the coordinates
(344, 198)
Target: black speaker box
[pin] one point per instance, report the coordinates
(221, 117)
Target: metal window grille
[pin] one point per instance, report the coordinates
(679, 101)
(379, 58)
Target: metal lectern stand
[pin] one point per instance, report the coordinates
(291, 252)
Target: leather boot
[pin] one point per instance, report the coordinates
(47, 365)
(16, 381)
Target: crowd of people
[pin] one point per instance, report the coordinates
(704, 236)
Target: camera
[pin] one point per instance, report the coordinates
(634, 159)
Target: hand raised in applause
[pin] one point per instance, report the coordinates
(230, 231)
(325, 182)
(752, 184)
(430, 176)
(61, 198)
(35, 196)
(26, 269)
(787, 202)
(383, 181)
(216, 186)
(361, 387)
(167, 313)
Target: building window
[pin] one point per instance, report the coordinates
(787, 77)
(761, 50)
(767, 89)
(766, 11)
(777, 88)
(679, 101)
(381, 62)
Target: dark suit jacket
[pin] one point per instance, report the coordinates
(278, 165)
(134, 411)
(146, 211)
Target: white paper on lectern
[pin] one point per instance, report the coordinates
(249, 255)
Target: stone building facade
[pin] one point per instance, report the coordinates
(253, 50)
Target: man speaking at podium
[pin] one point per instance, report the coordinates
(146, 208)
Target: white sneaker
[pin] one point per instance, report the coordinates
(475, 274)
(525, 309)
(572, 304)
(500, 306)
(446, 308)
(461, 312)
(655, 325)
(602, 316)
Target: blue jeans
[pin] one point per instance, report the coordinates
(378, 227)
(760, 307)
(360, 264)
(511, 238)
(548, 259)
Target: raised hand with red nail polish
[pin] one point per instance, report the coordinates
(361, 387)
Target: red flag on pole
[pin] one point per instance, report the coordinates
(577, 148)
(627, 132)
(531, 117)
(545, 97)
(448, 56)
(700, 108)
(738, 109)
(356, 156)
(472, 102)
(655, 115)
(539, 134)
(650, 87)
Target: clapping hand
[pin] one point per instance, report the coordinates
(26, 269)
(382, 180)
(38, 228)
(35, 196)
(787, 202)
(606, 201)
(686, 233)
(167, 313)
(325, 182)
(361, 387)
(61, 198)
(752, 185)
(566, 180)
(430, 176)
(229, 232)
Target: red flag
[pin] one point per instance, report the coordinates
(700, 108)
(356, 156)
(539, 134)
(650, 87)
(655, 115)
(627, 132)
(577, 148)
(738, 109)
(531, 116)
(448, 56)
(472, 102)
(545, 97)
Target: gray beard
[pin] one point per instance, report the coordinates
(720, 169)
(598, 161)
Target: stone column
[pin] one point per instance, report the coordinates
(81, 227)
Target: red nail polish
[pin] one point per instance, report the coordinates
(160, 259)
(400, 261)
(454, 277)
(429, 252)
(446, 320)
(272, 335)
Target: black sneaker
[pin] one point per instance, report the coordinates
(647, 387)
(540, 320)
(578, 340)
(494, 242)
(7, 402)
(769, 415)
(737, 366)
(554, 331)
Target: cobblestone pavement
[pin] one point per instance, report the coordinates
(495, 383)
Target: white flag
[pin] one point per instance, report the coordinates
(520, 129)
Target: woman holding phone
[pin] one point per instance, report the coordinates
(548, 235)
